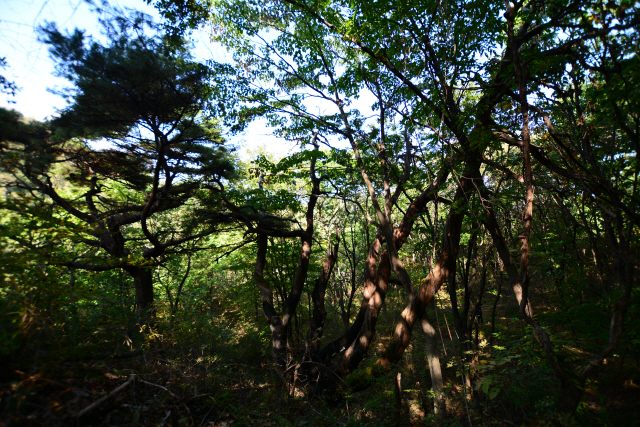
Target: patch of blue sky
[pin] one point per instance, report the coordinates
(33, 71)
(29, 64)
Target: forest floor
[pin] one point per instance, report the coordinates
(174, 382)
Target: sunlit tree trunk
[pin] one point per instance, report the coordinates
(439, 404)
(438, 275)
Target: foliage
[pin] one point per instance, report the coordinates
(491, 147)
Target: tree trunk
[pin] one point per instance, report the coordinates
(438, 275)
(354, 344)
(143, 280)
(439, 404)
(316, 326)
(174, 307)
(571, 392)
(452, 288)
(478, 305)
(279, 325)
(397, 386)
(491, 224)
(278, 337)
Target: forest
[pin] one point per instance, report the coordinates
(454, 240)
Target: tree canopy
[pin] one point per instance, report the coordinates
(144, 98)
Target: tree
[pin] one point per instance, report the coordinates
(145, 98)
(462, 81)
(6, 86)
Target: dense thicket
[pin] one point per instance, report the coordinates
(469, 154)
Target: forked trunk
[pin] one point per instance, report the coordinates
(316, 327)
(438, 275)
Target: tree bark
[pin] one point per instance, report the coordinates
(478, 304)
(345, 340)
(397, 386)
(143, 281)
(431, 344)
(278, 337)
(316, 327)
(357, 340)
(354, 344)
(491, 224)
(433, 282)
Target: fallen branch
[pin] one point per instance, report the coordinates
(159, 386)
(131, 379)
